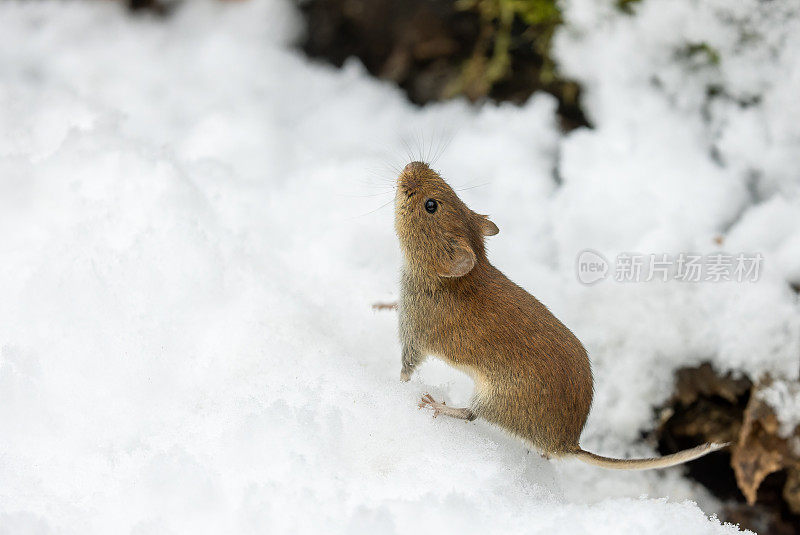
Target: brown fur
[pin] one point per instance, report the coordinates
(532, 375)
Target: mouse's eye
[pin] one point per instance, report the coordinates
(431, 206)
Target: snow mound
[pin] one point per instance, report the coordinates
(192, 240)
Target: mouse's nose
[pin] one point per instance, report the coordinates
(414, 167)
(411, 173)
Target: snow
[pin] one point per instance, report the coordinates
(785, 398)
(192, 238)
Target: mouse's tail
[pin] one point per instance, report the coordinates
(653, 462)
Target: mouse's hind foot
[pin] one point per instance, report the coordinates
(464, 413)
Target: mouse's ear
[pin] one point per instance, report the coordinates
(488, 228)
(457, 260)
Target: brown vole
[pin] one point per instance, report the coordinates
(532, 375)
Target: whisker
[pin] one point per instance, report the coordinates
(409, 152)
(394, 168)
(384, 205)
(444, 147)
(473, 187)
(436, 150)
(366, 195)
(429, 150)
(385, 173)
(384, 181)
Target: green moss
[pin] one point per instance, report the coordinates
(536, 12)
(702, 52)
(627, 6)
(506, 24)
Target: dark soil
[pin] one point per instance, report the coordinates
(422, 45)
(707, 407)
(158, 7)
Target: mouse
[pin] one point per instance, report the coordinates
(533, 377)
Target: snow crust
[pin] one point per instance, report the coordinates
(192, 238)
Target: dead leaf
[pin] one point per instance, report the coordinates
(703, 381)
(752, 463)
(760, 450)
(791, 490)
